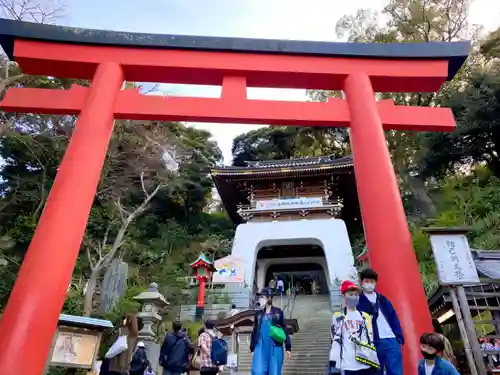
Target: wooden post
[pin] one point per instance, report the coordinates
(471, 330)
(463, 332)
(496, 321)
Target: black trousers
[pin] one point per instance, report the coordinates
(209, 371)
(367, 371)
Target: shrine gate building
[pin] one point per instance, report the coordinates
(293, 218)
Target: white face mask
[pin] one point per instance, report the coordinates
(263, 301)
(369, 287)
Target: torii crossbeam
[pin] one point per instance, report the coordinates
(109, 58)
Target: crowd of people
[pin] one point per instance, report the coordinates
(286, 285)
(366, 336)
(366, 339)
(128, 356)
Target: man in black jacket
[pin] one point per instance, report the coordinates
(175, 350)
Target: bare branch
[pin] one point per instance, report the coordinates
(89, 256)
(154, 88)
(122, 211)
(104, 242)
(12, 80)
(39, 11)
(142, 185)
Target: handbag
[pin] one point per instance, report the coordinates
(365, 352)
(118, 347)
(277, 334)
(196, 360)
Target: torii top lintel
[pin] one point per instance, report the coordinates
(404, 67)
(234, 63)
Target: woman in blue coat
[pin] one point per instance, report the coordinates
(268, 353)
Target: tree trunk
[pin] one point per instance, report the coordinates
(419, 192)
(417, 189)
(89, 293)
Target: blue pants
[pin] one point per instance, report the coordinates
(390, 356)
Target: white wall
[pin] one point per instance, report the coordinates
(330, 234)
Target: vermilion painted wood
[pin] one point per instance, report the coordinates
(132, 105)
(210, 68)
(384, 218)
(31, 314)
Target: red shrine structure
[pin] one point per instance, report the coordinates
(202, 270)
(109, 58)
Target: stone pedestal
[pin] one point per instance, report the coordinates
(153, 307)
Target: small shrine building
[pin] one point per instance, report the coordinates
(294, 218)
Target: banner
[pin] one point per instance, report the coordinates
(277, 204)
(229, 270)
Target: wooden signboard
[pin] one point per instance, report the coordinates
(75, 348)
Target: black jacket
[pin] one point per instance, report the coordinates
(277, 319)
(175, 361)
(139, 362)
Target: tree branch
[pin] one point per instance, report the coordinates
(89, 256)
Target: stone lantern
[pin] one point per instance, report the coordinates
(153, 305)
(202, 271)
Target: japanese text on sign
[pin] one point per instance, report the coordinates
(453, 259)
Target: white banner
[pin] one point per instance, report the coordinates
(276, 204)
(453, 257)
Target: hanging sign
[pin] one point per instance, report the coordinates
(454, 262)
(229, 270)
(232, 362)
(276, 204)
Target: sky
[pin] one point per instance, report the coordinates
(268, 19)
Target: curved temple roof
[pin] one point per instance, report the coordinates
(285, 165)
(455, 52)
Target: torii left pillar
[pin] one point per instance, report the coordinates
(46, 270)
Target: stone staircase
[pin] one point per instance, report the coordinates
(310, 346)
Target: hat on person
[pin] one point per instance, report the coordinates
(348, 285)
(140, 344)
(266, 292)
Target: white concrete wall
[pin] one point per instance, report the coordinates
(330, 234)
(264, 264)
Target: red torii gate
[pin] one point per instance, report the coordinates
(108, 58)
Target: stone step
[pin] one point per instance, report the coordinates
(310, 346)
(307, 345)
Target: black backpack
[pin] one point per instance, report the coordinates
(139, 362)
(178, 358)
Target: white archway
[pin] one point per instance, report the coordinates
(330, 234)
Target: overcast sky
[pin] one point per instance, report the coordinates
(271, 19)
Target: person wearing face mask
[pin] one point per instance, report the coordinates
(352, 351)
(268, 337)
(388, 335)
(432, 345)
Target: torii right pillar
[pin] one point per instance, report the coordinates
(384, 220)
